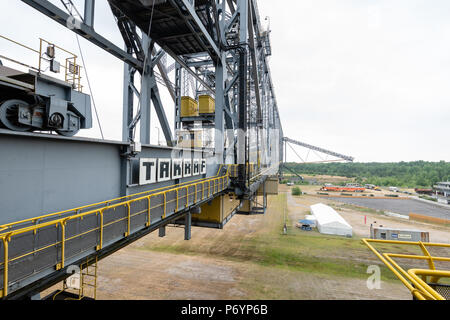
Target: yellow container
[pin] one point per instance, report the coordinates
(189, 107)
(207, 104)
(190, 139)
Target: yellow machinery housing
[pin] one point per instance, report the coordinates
(217, 212)
(270, 186)
(207, 104)
(189, 107)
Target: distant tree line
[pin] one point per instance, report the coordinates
(402, 174)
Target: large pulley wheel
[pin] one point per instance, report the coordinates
(9, 115)
(67, 133)
(74, 125)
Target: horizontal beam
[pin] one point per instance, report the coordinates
(198, 22)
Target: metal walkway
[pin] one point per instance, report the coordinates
(37, 251)
(174, 27)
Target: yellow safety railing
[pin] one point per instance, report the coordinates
(72, 73)
(211, 185)
(418, 287)
(8, 226)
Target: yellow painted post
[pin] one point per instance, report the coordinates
(430, 262)
(75, 66)
(129, 219)
(164, 214)
(63, 242)
(101, 229)
(203, 190)
(149, 209)
(40, 55)
(5, 268)
(195, 198)
(430, 259)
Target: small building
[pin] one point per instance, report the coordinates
(328, 221)
(442, 191)
(424, 191)
(312, 219)
(383, 233)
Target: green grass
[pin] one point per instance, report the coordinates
(428, 198)
(308, 252)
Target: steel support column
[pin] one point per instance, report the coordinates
(89, 11)
(187, 226)
(221, 76)
(145, 97)
(162, 232)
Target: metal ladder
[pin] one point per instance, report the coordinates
(88, 280)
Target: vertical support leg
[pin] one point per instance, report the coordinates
(145, 98)
(89, 8)
(162, 232)
(127, 131)
(128, 97)
(187, 226)
(264, 197)
(221, 75)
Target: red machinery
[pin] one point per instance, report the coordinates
(343, 189)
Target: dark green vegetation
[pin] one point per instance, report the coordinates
(296, 191)
(402, 174)
(428, 198)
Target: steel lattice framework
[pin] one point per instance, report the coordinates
(220, 49)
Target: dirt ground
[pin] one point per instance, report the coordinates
(219, 264)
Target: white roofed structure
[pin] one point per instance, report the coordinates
(329, 221)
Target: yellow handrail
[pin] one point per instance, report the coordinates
(419, 288)
(6, 237)
(218, 183)
(12, 224)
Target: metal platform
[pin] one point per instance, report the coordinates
(173, 27)
(42, 247)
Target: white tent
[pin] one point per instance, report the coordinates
(329, 221)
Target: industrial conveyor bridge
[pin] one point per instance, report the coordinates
(54, 188)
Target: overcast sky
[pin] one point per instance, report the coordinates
(366, 78)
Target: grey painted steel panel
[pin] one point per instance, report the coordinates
(41, 173)
(39, 176)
